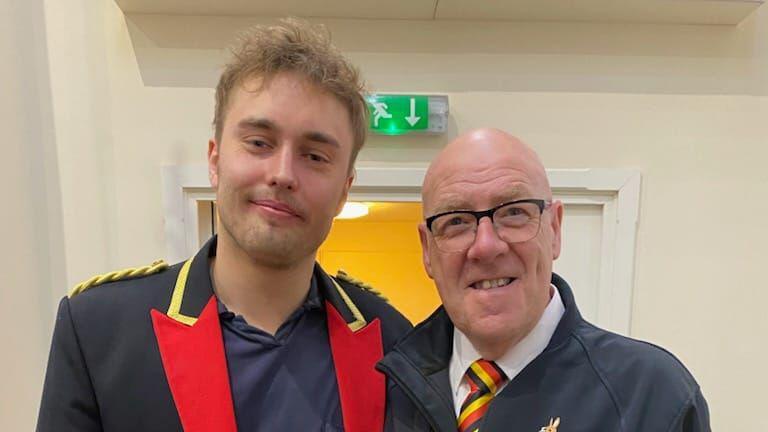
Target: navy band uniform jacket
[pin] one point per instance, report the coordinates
(146, 354)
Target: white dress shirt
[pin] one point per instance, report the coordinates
(514, 360)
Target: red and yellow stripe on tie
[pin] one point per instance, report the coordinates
(487, 372)
(473, 412)
(484, 379)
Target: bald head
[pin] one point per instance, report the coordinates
(479, 155)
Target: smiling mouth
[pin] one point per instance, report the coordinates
(486, 284)
(276, 207)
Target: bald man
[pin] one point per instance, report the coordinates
(508, 350)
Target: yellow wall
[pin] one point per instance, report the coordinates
(382, 250)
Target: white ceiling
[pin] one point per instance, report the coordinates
(728, 12)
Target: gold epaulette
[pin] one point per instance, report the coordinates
(153, 268)
(342, 275)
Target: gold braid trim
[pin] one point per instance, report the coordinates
(359, 321)
(155, 267)
(342, 275)
(174, 309)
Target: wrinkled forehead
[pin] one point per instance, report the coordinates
(475, 183)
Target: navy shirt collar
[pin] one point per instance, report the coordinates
(313, 302)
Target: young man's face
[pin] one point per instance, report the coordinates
(281, 168)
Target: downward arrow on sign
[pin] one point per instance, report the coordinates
(412, 119)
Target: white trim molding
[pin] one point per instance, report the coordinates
(616, 191)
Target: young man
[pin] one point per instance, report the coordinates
(509, 350)
(249, 334)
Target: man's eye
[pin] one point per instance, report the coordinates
(454, 221)
(257, 143)
(451, 225)
(519, 211)
(317, 157)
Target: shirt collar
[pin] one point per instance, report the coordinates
(518, 357)
(313, 301)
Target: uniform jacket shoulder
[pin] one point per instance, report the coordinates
(110, 298)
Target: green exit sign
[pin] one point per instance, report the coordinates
(398, 114)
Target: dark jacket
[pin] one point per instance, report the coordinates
(146, 354)
(589, 378)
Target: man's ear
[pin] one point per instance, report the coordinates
(213, 163)
(345, 192)
(556, 224)
(425, 249)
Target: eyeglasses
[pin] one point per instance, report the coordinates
(515, 222)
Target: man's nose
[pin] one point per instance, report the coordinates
(282, 170)
(487, 245)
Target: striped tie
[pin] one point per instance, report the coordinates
(484, 378)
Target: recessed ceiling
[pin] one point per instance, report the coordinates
(649, 11)
(723, 12)
(357, 9)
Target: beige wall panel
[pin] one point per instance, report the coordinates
(32, 257)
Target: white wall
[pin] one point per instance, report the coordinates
(686, 105)
(32, 255)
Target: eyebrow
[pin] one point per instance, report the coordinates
(251, 123)
(321, 137)
(256, 123)
(514, 193)
(457, 202)
(452, 204)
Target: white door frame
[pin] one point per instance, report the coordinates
(616, 191)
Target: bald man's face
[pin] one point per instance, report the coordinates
(479, 179)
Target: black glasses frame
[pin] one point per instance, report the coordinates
(542, 204)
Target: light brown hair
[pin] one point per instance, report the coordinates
(295, 45)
